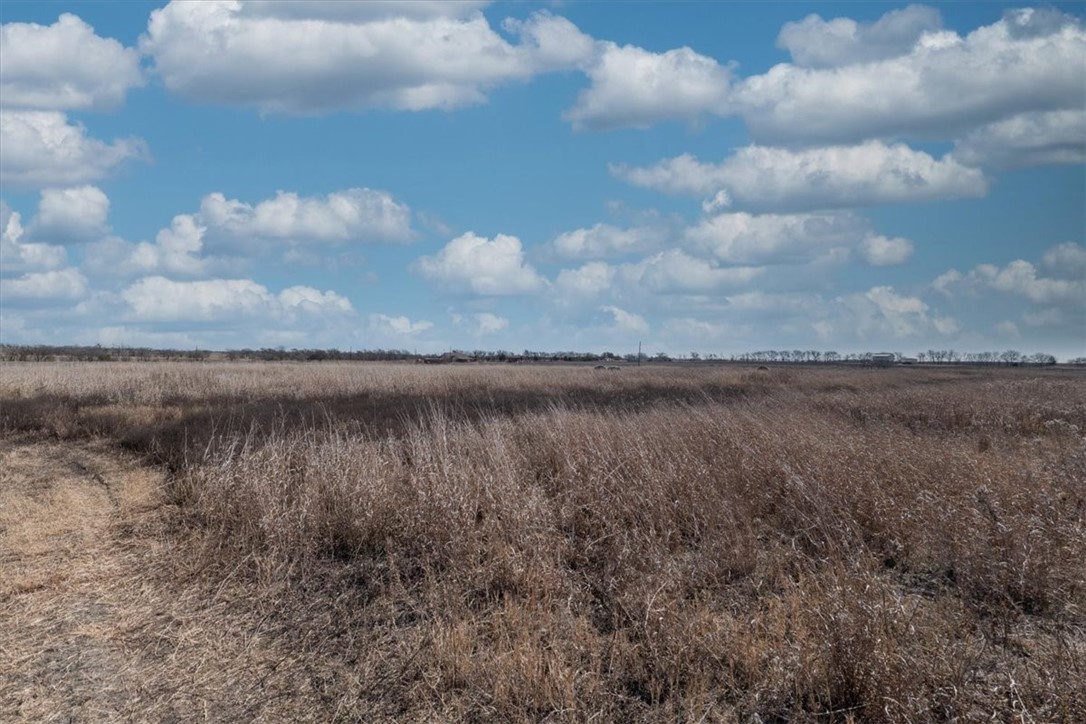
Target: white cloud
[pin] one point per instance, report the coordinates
(64, 66)
(875, 319)
(1028, 139)
(42, 149)
(720, 200)
(1065, 261)
(674, 271)
(695, 332)
(312, 58)
(477, 265)
(550, 42)
(1030, 60)
(488, 323)
(587, 281)
(1020, 278)
(157, 299)
(679, 175)
(74, 213)
(605, 240)
(313, 300)
(631, 86)
(336, 10)
(235, 229)
(178, 247)
(177, 250)
(62, 284)
(480, 324)
(744, 238)
(879, 250)
(626, 322)
(1066, 287)
(358, 214)
(945, 282)
(814, 42)
(398, 326)
(881, 312)
(19, 256)
(834, 176)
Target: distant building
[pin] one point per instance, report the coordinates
(447, 358)
(882, 359)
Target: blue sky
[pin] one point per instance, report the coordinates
(698, 176)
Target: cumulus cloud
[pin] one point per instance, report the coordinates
(158, 299)
(64, 66)
(882, 312)
(487, 323)
(317, 57)
(56, 285)
(695, 332)
(230, 229)
(744, 238)
(1065, 261)
(1065, 287)
(835, 176)
(177, 249)
(336, 10)
(17, 255)
(604, 240)
(41, 149)
(878, 250)
(398, 326)
(587, 281)
(880, 317)
(634, 87)
(550, 42)
(480, 324)
(1028, 139)
(74, 214)
(817, 43)
(626, 322)
(676, 272)
(1020, 278)
(357, 214)
(1030, 60)
(487, 267)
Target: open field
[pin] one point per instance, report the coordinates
(343, 541)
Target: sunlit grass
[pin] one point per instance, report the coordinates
(521, 543)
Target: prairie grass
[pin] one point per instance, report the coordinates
(663, 543)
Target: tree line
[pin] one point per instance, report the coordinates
(98, 353)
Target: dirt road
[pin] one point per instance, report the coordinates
(98, 619)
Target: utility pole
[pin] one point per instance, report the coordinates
(638, 353)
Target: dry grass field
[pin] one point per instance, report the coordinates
(383, 542)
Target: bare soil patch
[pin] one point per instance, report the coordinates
(101, 620)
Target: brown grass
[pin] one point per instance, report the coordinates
(555, 543)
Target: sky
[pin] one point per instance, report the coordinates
(711, 177)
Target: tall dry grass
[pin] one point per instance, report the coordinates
(658, 544)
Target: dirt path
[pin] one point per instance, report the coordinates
(96, 624)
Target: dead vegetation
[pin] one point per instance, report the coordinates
(519, 544)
